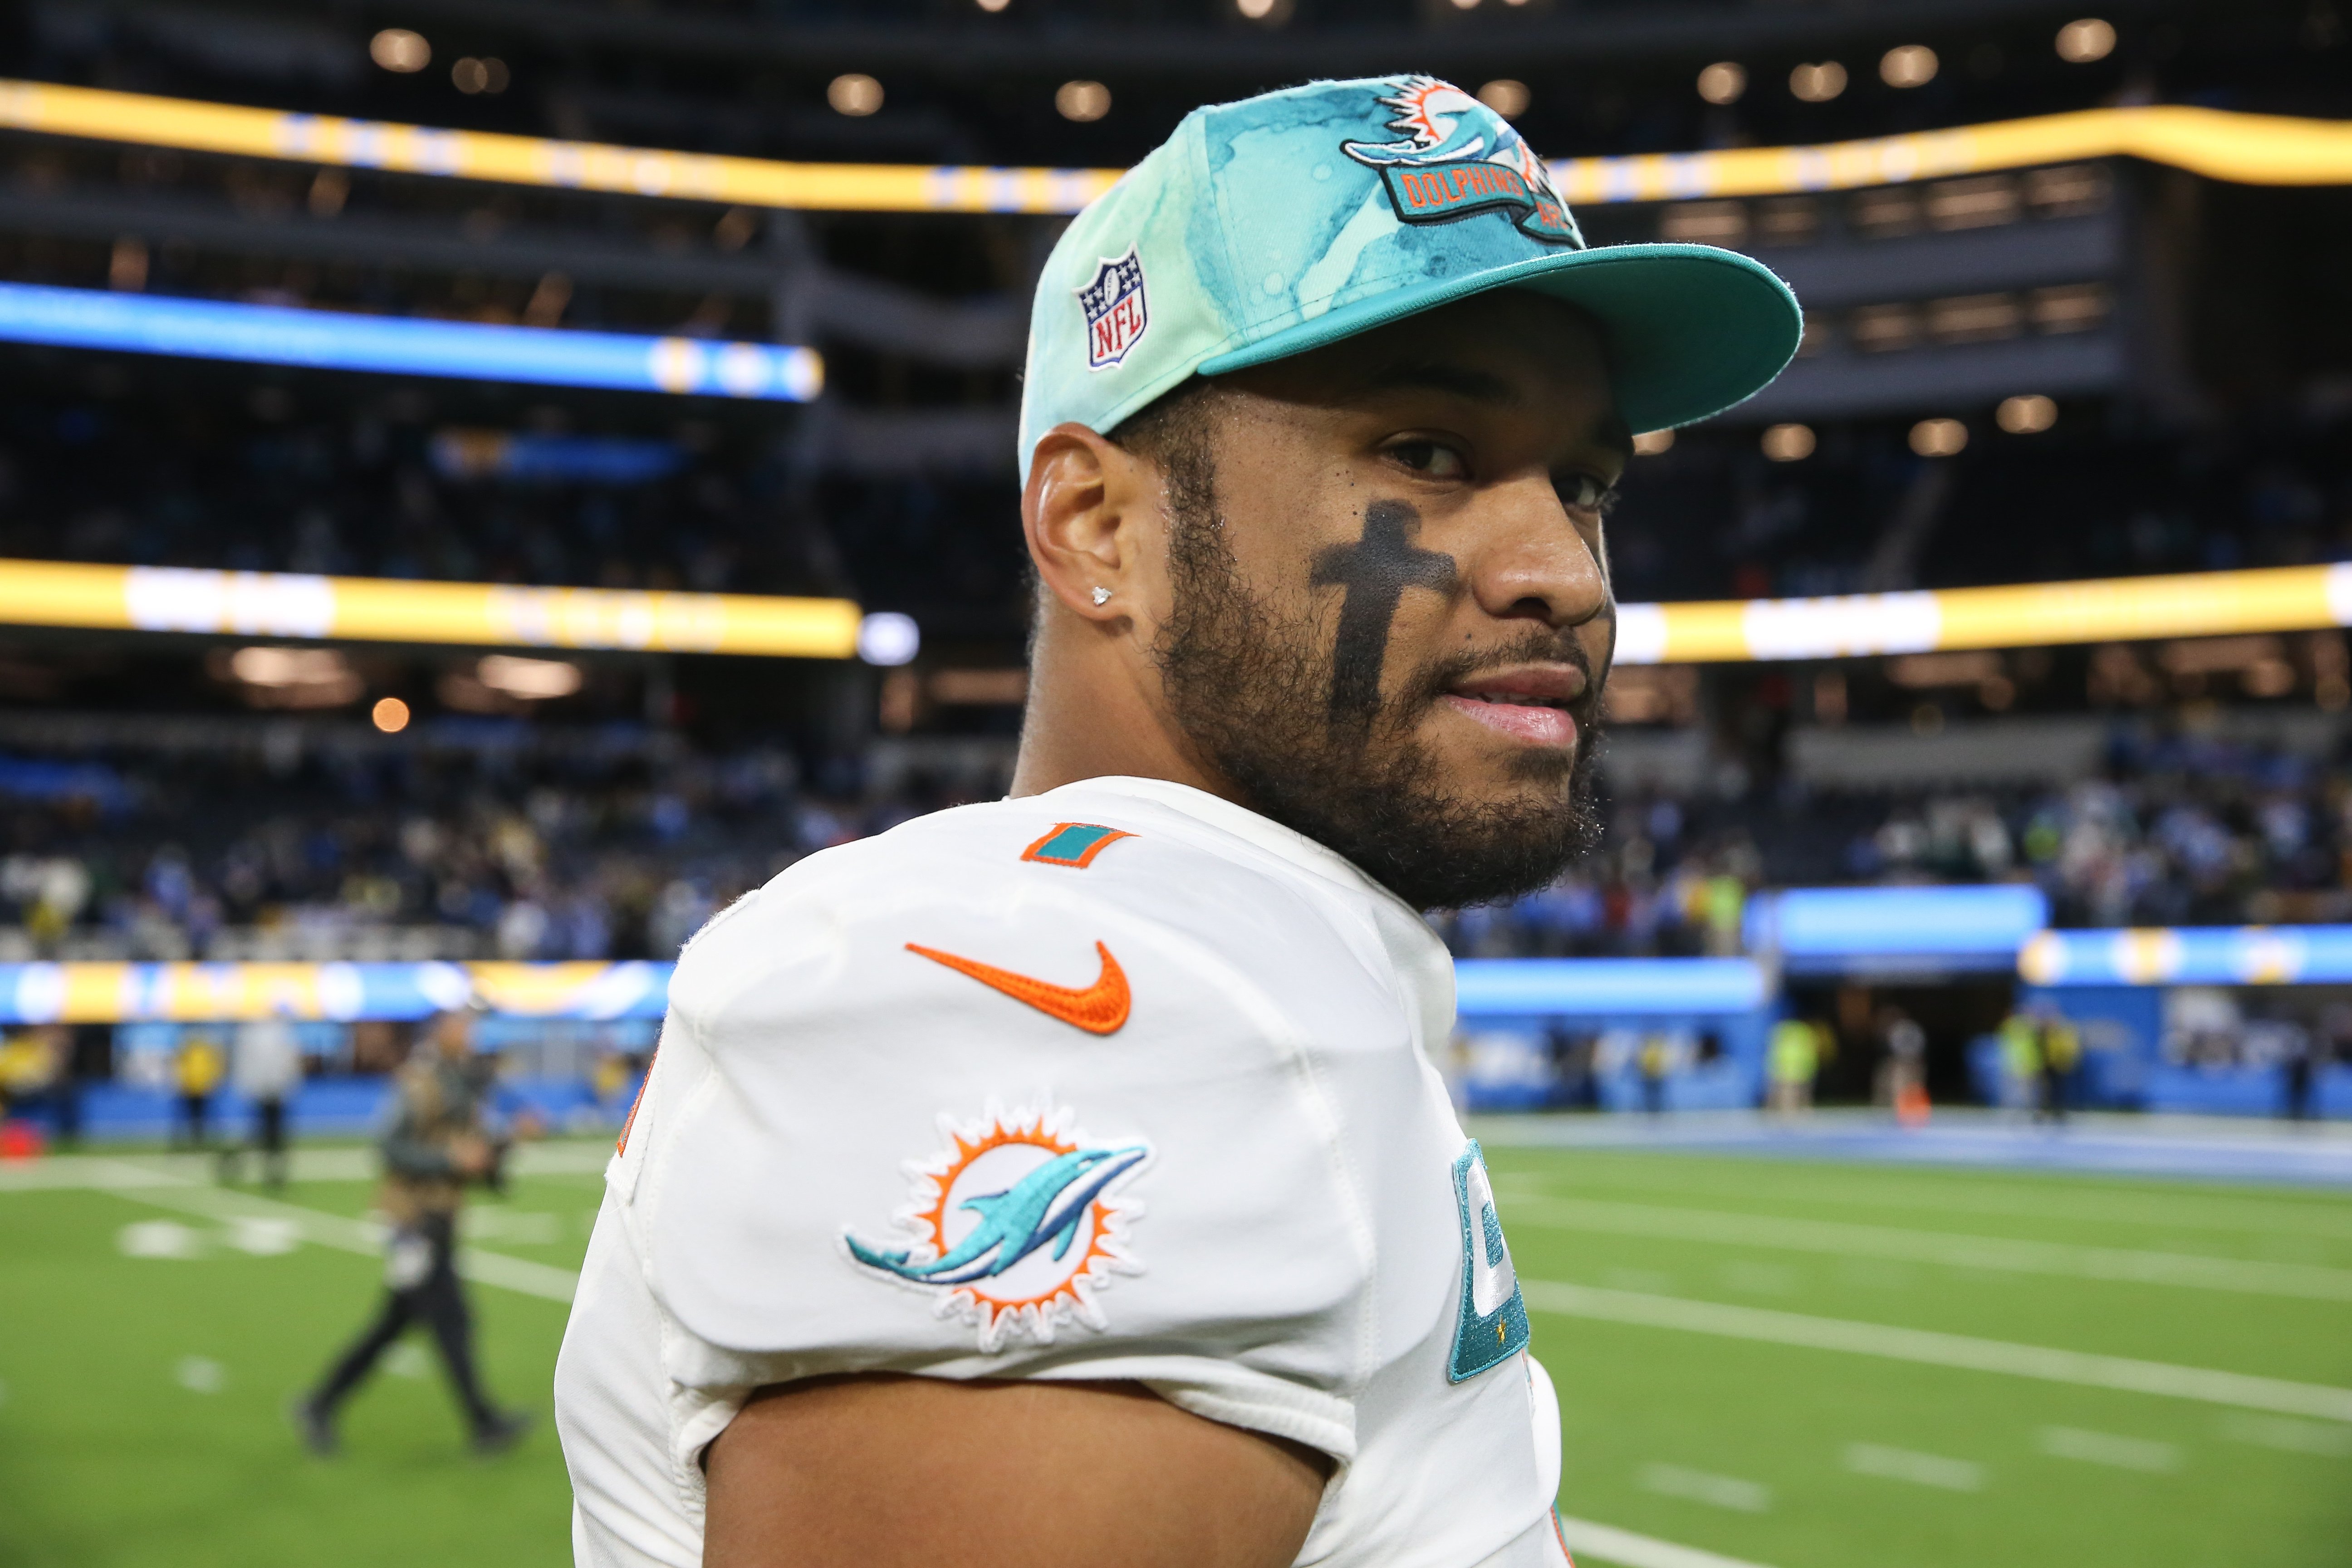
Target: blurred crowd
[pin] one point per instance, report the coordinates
(2176, 830)
(421, 854)
(1713, 517)
(262, 488)
(454, 854)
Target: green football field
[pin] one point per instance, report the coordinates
(1759, 1362)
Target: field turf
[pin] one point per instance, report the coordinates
(149, 1336)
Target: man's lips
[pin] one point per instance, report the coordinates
(1530, 703)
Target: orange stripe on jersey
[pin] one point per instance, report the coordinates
(621, 1144)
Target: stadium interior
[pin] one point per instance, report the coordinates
(2085, 876)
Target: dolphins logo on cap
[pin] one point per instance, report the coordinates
(1459, 158)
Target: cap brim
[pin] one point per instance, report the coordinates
(1692, 330)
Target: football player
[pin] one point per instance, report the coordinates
(1065, 1179)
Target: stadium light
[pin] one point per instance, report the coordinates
(887, 638)
(1650, 442)
(2028, 414)
(1083, 102)
(390, 715)
(1506, 97)
(1787, 443)
(2085, 40)
(470, 76)
(327, 340)
(1723, 82)
(399, 50)
(1817, 83)
(1940, 438)
(854, 93)
(1908, 65)
(532, 679)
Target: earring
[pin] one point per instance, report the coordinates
(1102, 595)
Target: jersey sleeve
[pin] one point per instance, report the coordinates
(1011, 1134)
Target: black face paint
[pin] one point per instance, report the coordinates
(1375, 570)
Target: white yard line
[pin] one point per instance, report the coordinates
(1928, 1348)
(565, 1157)
(2169, 1205)
(1594, 1543)
(180, 1195)
(2000, 1254)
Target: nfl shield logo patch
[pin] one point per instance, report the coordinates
(1117, 315)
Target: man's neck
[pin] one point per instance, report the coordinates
(1092, 715)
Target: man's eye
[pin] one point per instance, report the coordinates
(1582, 492)
(1431, 457)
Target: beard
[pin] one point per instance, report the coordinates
(1246, 683)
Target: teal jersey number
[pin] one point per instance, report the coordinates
(1494, 1322)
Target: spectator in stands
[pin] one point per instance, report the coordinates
(438, 1144)
(267, 1071)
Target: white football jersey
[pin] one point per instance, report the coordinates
(1120, 1081)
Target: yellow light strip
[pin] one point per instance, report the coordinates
(2254, 149)
(495, 614)
(370, 609)
(2039, 614)
(536, 161)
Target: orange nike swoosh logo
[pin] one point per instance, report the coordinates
(1099, 1009)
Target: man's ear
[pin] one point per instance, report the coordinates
(1087, 511)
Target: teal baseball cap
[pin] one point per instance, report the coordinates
(1279, 224)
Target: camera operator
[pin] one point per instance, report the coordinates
(436, 1145)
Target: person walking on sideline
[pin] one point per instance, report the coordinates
(196, 1072)
(1902, 1075)
(1793, 1057)
(2020, 1060)
(2061, 1053)
(436, 1145)
(267, 1071)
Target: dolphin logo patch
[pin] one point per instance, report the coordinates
(1015, 1225)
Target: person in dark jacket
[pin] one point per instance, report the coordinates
(435, 1146)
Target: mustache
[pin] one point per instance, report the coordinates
(1437, 676)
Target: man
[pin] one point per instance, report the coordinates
(1065, 1179)
(267, 1070)
(1792, 1060)
(196, 1072)
(435, 1146)
(1902, 1075)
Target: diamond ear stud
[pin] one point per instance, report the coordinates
(1102, 595)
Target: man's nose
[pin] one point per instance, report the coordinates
(1532, 561)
